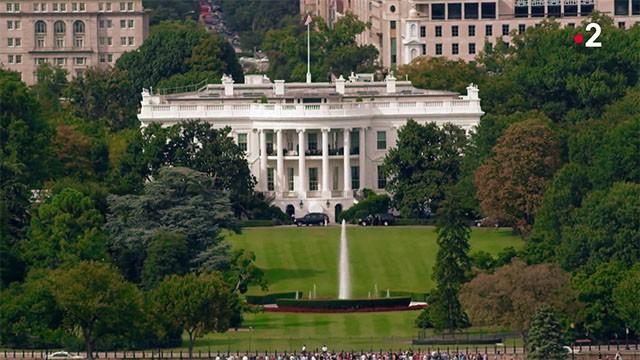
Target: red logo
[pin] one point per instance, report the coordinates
(578, 39)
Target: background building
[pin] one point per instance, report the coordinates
(313, 145)
(73, 35)
(459, 29)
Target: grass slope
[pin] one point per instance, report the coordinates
(398, 258)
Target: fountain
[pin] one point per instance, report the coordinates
(344, 289)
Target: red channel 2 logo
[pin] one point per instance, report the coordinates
(591, 43)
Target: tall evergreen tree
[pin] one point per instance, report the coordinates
(545, 336)
(452, 267)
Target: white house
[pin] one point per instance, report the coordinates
(312, 146)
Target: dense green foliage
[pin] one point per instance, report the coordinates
(545, 336)
(372, 204)
(334, 50)
(163, 10)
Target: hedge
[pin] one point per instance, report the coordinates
(351, 304)
(415, 221)
(271, 298)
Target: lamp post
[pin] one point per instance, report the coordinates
(627, 338)
(573, 342)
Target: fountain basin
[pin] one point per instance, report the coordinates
(342, 305)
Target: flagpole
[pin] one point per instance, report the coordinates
(308, 51)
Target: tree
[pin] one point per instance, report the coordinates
(168, 254)
(545, 336)
(66, 228)
(334, 50)
(510, 296)
(451, 269)
(197, 304)
(438, 73)
(626, 297)
(48, 90)
(106, 96)
(200, 146)
(424, 162)
(171, 10)
(511, 184)
(95, 298)
(14, 204)
(178, 200)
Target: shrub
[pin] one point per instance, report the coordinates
(372, 204)
(272, 298)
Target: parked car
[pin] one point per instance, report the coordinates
(313, 219)
(377, 219)
(63, 355)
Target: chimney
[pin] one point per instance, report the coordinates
(391, 83)
(472, 92)
(340, 85)
(227, 81)
(278, 87)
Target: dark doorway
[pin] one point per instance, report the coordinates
(291, 210)
(338, 210)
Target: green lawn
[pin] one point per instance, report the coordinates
(398, 258)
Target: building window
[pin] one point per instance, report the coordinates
(242, 141)
(488, 30)
(60, 61)
(270, 185)
(130, 23)
(488, 10)
(83, 6)
(11, 59)
(13, 7)
(123, 41)
(41, 27)
(438, 49)
(471, 11)
(438, 31)
(59, 44)
(424, 49)
(74, 7)
(381, 140)
(455, 49)
(382, 180)
(336, 177)
(129, 6)
(355, 177)
(290, 179)
(505, 29)
(521, 8)
(394, 51)
(392, 24)
(437, 12)
(78, 42)
(472, 48)
(571, 25)
(423, 31)
(78, 27)
(521, 28)
(123, 6)
(570, 9)
(80, 61)
(63, 7)
(354, 140)
(454, 11)
(472, 30)
(107, 6)
(554, 10)
(621, 25)
(59, 27)
(103, 58)
(110, 58)
(312, 142)
(454, 30)
(313, 179)
(635, 7)
(40, 42)
(131, 41)
(123, 24)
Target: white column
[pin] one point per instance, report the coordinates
(280, 176)
(263, 160)
(362, 157)
(325, 162)
(347, 161)
(302, 166)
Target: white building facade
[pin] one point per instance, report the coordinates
(314, 147)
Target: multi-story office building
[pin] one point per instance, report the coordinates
(459, 29)
(311, 146)
(73, 35)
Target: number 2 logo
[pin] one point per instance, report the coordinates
(592, 40)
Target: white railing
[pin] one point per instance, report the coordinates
(284, 111)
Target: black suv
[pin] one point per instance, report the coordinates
(313, 219)
(377, 219)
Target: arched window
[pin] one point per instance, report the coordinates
(414, 30)
(41, 27)
(59, 27)
(78, 27)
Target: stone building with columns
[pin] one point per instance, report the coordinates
(314, 146)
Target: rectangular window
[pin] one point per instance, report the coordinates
(522, 28)
(101, 24)
(270, 185)
(123, 6)
(83, 7)
(103, 58)
(16, 24)
(488, 30)
(424, 49)
(381, 140)
(454, 11)
(123, 41)
(488, 10)
(313, 179)
(455, 49)
(471, 11)
(521, 9)
(438, 31)
(454, 30)
(40, 42)
(472, 30)
(59, 42)
(129, 6)
(80, 61)
(9, 7)
(78, 42)
(312, 142)
(10, 42)
(621, 25)
(100, 6)
(394, 50)
(109, 24)
(472, 48)
(18, 59)
(10, 59)
(63, 7)
(10, 25)
(269, 141)
(60, 61)
(570, 10)
(423, 31)
(382, 180)
(74, 7)
(36, 7)
(355, 141)
(290, 179)
(392, 24)
(130, 24)
(438, 49)
(55, 7)
(107, 6)
(123, 24)
(505, 29)
(635, 7)
(110, 58)
(555, 11)
(131, 41)
(242, 141)
(336, 178)
(355, 177)
(437, 12)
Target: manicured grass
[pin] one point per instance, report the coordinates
(398, 258)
